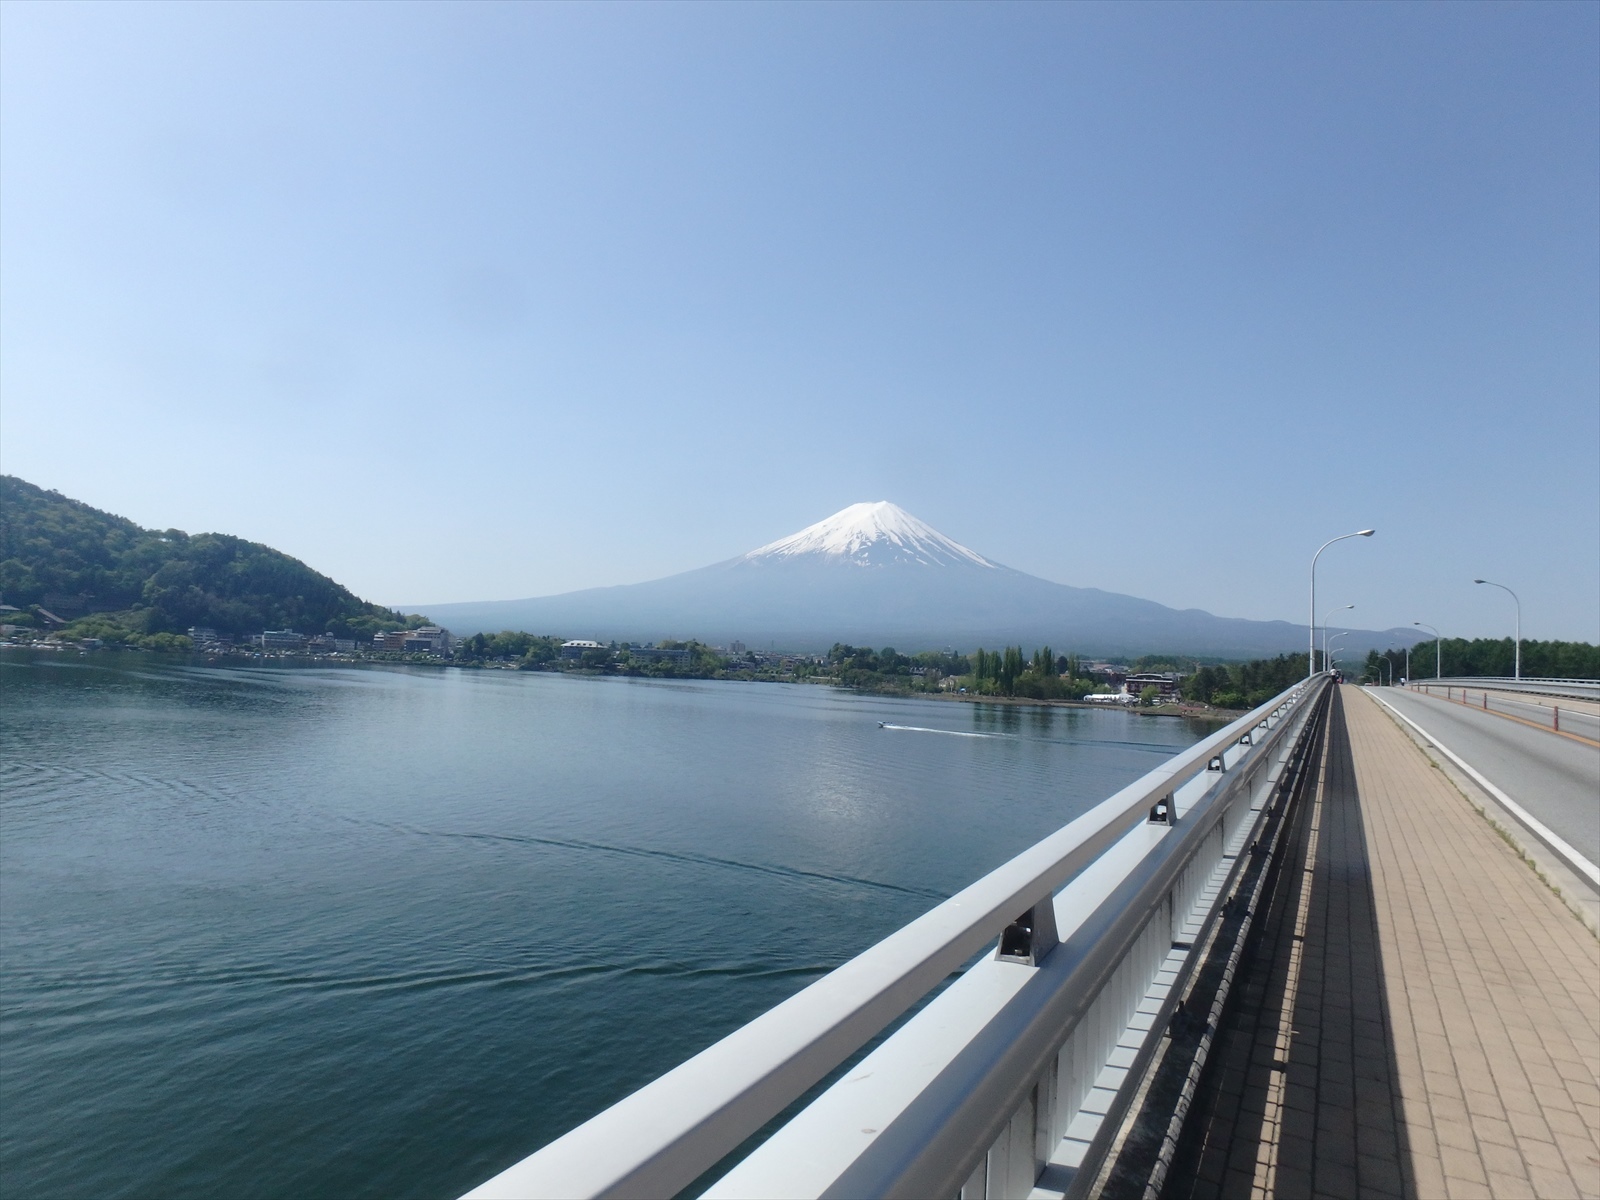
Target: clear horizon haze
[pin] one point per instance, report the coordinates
(487, 301)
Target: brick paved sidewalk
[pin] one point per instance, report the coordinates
(1420, 1017)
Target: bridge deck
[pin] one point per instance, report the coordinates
(1421, 1016)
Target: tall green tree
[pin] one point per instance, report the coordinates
(1497, 657)
(1011, 668)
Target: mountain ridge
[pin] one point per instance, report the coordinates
(69, 557)
(908, 586)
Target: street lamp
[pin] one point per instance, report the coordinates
(1333, 643)
(1325, 617)
(1438, 647)
(1504, 588)
(1311, 634)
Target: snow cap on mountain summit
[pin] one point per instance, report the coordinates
(872, 534)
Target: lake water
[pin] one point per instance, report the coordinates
(382, 932)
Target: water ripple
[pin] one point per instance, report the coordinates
(700, 860)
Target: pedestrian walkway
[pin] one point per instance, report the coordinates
(1420, 1015)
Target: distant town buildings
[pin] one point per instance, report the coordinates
(736, 647)
(573, 650)
(429, 639)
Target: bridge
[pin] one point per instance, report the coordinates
(1346, 946)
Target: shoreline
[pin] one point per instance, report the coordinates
(1183, 709)
(1194, 712)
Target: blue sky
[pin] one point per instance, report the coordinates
(462, 302)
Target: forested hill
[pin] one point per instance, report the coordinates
(72, 559)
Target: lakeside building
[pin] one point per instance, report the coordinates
(681, 658)
(429, 639)
(280, 639)
(1165, 683)
(574, 649)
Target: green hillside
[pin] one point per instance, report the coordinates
(105, 573)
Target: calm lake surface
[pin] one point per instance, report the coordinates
(382, 932)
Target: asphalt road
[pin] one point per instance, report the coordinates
(1575, 716)
(1556, 779)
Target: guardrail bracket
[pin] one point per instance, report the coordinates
(1031, 936)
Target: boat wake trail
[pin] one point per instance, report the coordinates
(946, 732)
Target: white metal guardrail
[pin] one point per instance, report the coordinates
(1575, 689)
(1008, 1081)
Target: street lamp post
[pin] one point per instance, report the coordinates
(1438, 648)
(1325, 617)
(1311, 634)
(1513, 595)
(1333, 643)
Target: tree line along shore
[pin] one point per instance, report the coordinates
(72, 576)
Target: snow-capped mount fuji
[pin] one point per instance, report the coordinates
(873, 574)
(874, 534)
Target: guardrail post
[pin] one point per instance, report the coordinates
(1557, 709)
